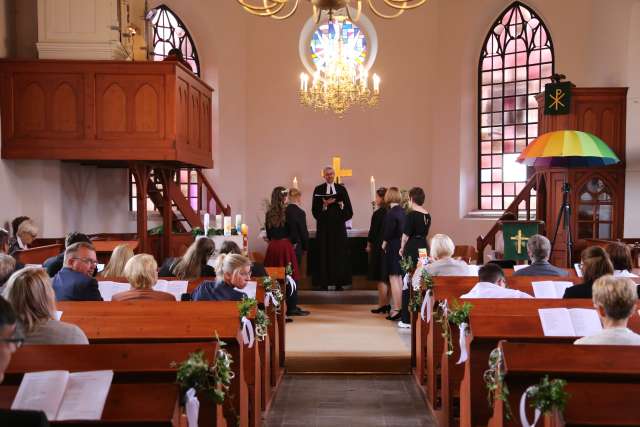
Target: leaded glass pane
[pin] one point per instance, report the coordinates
(169, 32)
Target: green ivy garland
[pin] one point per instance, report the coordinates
(261, 320)
(494, 382)
(548, 396)
(457, 315)
(273, 286)
(424, 284)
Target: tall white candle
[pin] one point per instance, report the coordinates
(295, 182)
(218, 222)
(227, 226)
(238, 221)
(206, 223)
(373, 189)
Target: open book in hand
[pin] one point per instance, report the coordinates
(550, 289)
(571, 322)
(64, 396)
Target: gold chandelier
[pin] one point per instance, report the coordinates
(283, 9)
(339, 86)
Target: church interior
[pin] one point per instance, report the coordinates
(357, 212)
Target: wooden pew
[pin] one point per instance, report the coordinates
(39, 254)
(168, 321)
(279, 274)
(148, 364)
(512, 320)
(603, 381)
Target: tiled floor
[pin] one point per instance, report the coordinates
(349, 400)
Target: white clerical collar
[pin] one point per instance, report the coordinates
(20, 244)
(331, 188)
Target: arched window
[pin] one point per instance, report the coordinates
(516, 62)
(169, 32)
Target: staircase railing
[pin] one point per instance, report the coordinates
(533, 184)
(212, 195)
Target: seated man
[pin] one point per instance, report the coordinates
(9, 343)
(615, 299)
(7, 267)
(55, 264)
(75, 282)
(539, 248)
(492, 284)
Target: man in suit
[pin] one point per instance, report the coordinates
(331, 208)
(10, 341)
(539, 249)
(75, 282)
(55, 263)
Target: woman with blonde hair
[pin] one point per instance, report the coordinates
(393, 229)
(119, 258)
(615, 299)
(193, 263)
(142, 273)
(442, 249)
(595, 264)
(30, 293)
(235, 272)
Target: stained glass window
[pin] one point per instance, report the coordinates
(169, 32)
(324, 42)
(516, 62)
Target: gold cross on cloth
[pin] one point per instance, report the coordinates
(340, 173)
(520, 239)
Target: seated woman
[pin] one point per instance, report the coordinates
(30, 293)
(615, 299)
(142, 273)
(193, 263)
(442, 249)
(231, 247)
(26, 233)
(235, 273)
(7, 267)
(119, 258)
(595, 264)
(620, 255)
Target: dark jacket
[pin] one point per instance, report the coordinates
(23, 418)
(297, 224)
(70, 285)
(216, 291)
(584, 290)
(54, 264)
(541, 268)
(166, 270)
(13, 246)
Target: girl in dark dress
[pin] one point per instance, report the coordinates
(416, 229)
(193, 263)
(392, 235)
(376, 254)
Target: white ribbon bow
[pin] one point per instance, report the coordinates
(269, 298)
(405, 282)
(523, 413)
(426, 305)
(463, 344)
(192, 407)
(247, 331)
(292, 284)
(444, 306)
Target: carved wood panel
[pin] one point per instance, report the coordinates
(603, 119)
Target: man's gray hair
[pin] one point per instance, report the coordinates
(72, 250)
(7, 267)
(327, 168)
(539, 248)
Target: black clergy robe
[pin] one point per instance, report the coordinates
(332, 261)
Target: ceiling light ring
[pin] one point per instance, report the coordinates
(265, 7)
(404, 4)
(382, 15)
(287, 15)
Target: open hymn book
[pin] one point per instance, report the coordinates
(571, 322)
(550, 289)
(64, 396)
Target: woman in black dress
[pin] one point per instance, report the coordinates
(193, 263)
(393, 227)
(374, 248)
(416, 229)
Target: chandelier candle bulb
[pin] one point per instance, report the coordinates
(376, 84)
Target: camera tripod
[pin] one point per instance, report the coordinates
(564, 213)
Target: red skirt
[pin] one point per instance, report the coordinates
(279, 254)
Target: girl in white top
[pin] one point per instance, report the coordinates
(492, 284)
(30, 293)
(615, 299)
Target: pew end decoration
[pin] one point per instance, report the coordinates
(547, 398)
(213, 378)
(261, 320)
(273, 293)
(459, 316)
(423, 284)
(494, 382)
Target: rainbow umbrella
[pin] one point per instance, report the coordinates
(568, 148)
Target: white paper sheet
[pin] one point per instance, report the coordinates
(519, 267)
(100, 267)
(109, 289)
(85, 395)
(550, 289)
(249, 290)
(578, 269)
(556, 322)
(41, 391)
(585, 321)
(58, 314)
(472, 270)
(174, 287)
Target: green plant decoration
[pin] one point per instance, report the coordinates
(197, 231)
(273, 286)
(288, 270)
(548, 396)
(425, 284)
(261, 320)
(494, 382)
(406, 264)
(457, 315)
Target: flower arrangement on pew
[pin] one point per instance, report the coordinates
(272, 291)
(406, 264)
(494, 382)
(548, 397)
(457, 314)
(261, 320)
(424, 284)
(213, 378)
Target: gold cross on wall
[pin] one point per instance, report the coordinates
(335, 163)
(520, 239)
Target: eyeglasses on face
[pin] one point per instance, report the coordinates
(87, 260)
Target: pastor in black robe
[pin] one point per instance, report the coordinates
(332, 251)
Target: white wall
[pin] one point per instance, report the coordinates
(423, 132)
